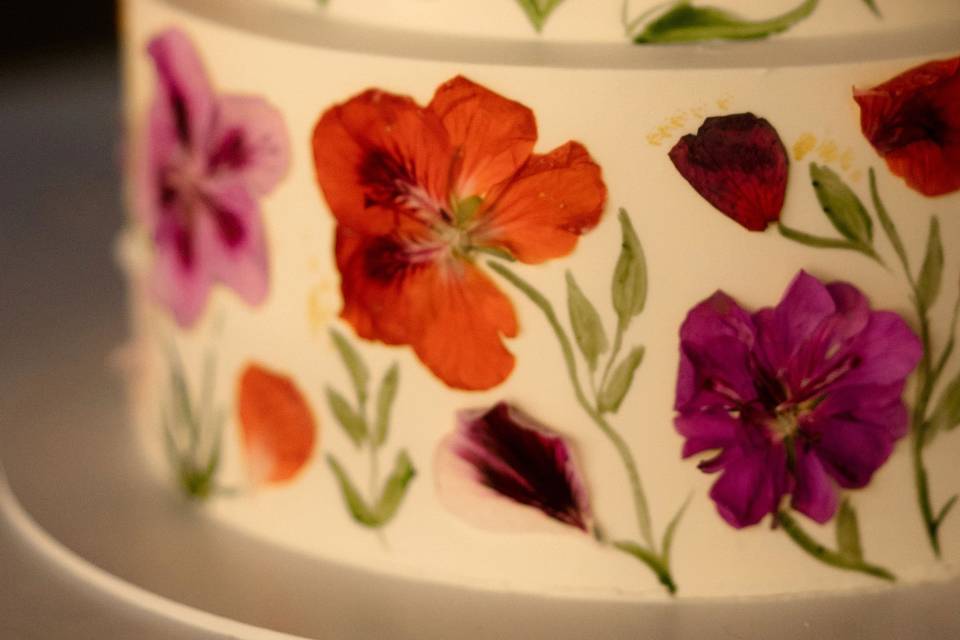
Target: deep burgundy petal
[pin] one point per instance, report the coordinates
(521, 460)
(739, 165)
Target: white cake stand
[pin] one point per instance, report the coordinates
(92, 547)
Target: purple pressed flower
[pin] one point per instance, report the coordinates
(504, 454)
(208, 159)
(799, 398)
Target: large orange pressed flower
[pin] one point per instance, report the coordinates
(418, 192)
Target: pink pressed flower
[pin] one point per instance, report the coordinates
(209, 158)
(797, 399)
(502, 470)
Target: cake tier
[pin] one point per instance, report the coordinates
(609, 20)
(611, 333)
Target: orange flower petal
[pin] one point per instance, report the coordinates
(494, 135)
(367, 150)
(551, 202)
(446, 309)
(277, 425)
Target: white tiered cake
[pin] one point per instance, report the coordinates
(493, 294)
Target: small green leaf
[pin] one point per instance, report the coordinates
(351, 421)
(887, 222)
(946, 415)
(395, 488)
(671, 530)
(538, 10)
(613, 393)
(356, 505)
(842, 206)
(354, 364)
(385, 398)
(629, 275)
(872, 5)
(848, 532)
(931, 273)
(683, 22)
(586, 323)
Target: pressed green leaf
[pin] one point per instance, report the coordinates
(385, 398)
(587, 326)
(887, 222)
(872, 5)
(629, 275)
(538, 10)
(356, 505)
(395, 488)
(946, 415)
(931, 273)
(842, 206)
(671, 530)
(684, 22)
(848, 532)
(351, 421)
(613, 393)
(354, 364)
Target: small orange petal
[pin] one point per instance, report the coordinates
(278, 428)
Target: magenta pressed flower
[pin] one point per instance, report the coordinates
(506, 454)
(208, 159)
(739, 165)
(798, 399)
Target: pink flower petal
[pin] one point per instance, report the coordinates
(814, 494)
(249, 141)
(183, 89)
(231, 240)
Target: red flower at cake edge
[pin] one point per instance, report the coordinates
(420, 193)
(913, 122)
(208, 159)
(739, 165)
(277, 426)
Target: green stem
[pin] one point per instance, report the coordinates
(729, 28)
(617, 345)
(639, 498)
(828, 556)
(656, 564)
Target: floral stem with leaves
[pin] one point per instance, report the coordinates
(849, 216)
(382, 502)
(193, 431)
(629, 296)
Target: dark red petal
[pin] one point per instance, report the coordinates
(739, 164)
(913, 121)
(519, 459)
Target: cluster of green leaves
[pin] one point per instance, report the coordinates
(538, 10)
(930, 415)
(385, 500)
(192, 432)
(629, 297)
(683, 22)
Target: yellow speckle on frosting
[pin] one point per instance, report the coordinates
(828, 151)
(804, 145)
(319, 311)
